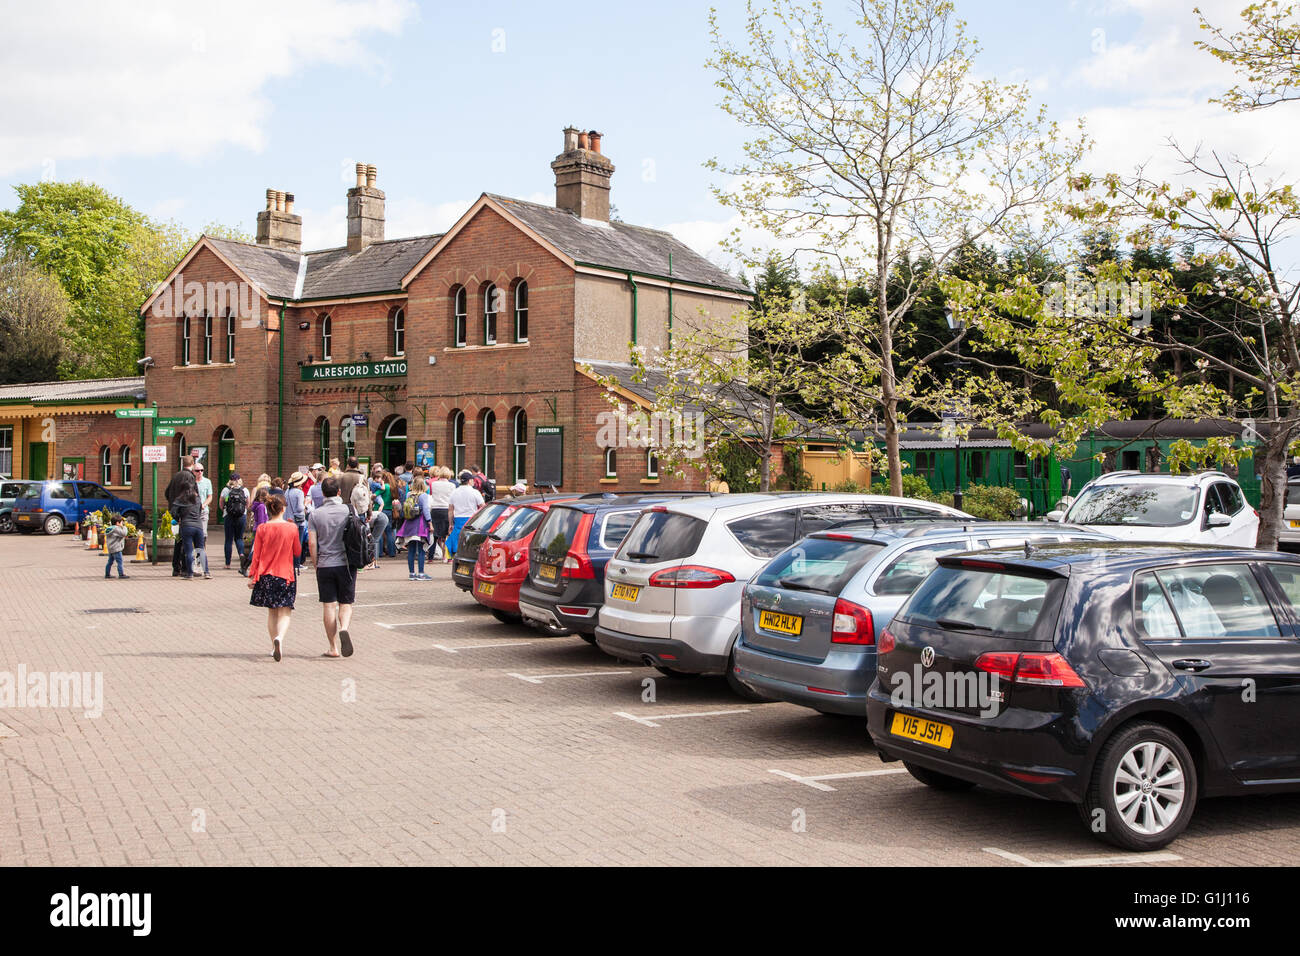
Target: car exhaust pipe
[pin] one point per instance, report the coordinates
(649, 661)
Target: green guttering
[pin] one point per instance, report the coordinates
(670, 301)
(279, 428)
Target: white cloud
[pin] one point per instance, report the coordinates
(102, 80)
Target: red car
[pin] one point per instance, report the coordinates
(502, 565)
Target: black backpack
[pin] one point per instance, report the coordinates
(358, 543)
(489, 489)
(236, 502)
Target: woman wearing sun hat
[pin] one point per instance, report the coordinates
(296, 509)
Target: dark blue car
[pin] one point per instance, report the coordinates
(56, 506)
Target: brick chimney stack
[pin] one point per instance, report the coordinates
(582, 176)
(277, 225)
(365, 210)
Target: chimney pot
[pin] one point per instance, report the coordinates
(270, 199)
(279, 200)
(361, 174)
(372, 173)
(288, 202)
(583, 141)
(594, 137)
(277, 225)
(582, 176)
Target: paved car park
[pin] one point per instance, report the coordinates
(452, 738)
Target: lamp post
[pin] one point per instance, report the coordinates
(957, 325)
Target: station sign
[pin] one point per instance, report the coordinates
(326, 371)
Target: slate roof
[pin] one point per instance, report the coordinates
(81, 390)
(619, 246)
(331, 273)
(380, 267)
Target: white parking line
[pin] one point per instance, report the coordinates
(7, 731)
(1117, 859)
(453, 620)
(538, 678)
(393, 604)
(816, 785)
(653, 721)
(475, 647)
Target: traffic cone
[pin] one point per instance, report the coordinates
(103, 544)
(141, 555)
(93, 541)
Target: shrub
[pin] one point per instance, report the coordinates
(993, 502)
(164, 530)
(914, 486)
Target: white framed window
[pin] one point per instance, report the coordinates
(611, 462)
(185, 340)
(519, 469)
(7, 451)
(399, 332)
(347, 439)
(460, 330)
(491, 305)
(651, 463)
(106, 466)
(207, 339)
(230, 336)
(521, 312)
(458, 442)
(326, 338)
(323, 441)
(489, 443)
(126, 464)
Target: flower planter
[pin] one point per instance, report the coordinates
(163, 549)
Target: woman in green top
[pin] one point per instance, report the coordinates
(382, 484)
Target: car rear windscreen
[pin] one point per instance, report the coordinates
(487, 514)
(555, 534)
(519, 525)
(662, 536)
(818, 564)
(982, 600)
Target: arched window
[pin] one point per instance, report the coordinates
(457, 441)
(651, 463)
(491, 305)
(399, 332)
(393, 449)
(460, 318)
(611, 462)
(323, 440)
(230, 336)
(347, 440)
(521, 312)
(207, 339)
(182, 449)
(126, 464)
(519, 427)
(326, 338)
(106, 466)
(185, 340)
(489, 443)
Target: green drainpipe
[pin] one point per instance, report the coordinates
(633, 282)
(279, 431)
(670, 300)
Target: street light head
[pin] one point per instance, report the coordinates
(954, 322)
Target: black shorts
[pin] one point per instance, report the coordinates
(336, 585)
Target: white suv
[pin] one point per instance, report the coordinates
(1205, 508)
(673, 589)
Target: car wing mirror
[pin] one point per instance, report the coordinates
(1218, 520)
(1054, 516)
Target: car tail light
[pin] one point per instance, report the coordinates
(886, 643)
(1049, 670)
(1033, 777)
(827, 690)
(836, 536)
(577, 563)
(851, 624)
(658, 508)
(691, 576)
(983, 565)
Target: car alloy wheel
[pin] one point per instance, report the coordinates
(1144, 786)
(6, 524)
(54, 524)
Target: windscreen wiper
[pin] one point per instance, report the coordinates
(952, 624)
(797, 586)
(641, 555)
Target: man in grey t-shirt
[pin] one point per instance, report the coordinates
(336, 583)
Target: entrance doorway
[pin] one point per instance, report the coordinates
(394, 442)
(38, 461)
(225, 458)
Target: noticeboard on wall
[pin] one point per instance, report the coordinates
(549, 456)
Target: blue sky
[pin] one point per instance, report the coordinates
(192, 111)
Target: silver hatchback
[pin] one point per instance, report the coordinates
(810, 617)
(673, 589)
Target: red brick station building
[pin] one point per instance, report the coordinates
(467, 347)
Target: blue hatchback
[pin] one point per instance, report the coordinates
(56, 506)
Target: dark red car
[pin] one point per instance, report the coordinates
(502, 564)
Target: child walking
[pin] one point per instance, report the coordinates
(116, 538)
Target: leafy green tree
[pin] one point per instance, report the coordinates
(871, 145)
(1266, 49)
(34, 311)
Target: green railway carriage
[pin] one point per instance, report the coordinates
(1139, 445)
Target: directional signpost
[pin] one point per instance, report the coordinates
(137, 413)
(164, 431)
(153, 453)
(174, 422)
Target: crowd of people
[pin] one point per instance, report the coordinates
(340, 519)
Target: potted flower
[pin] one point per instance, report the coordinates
(164, 539)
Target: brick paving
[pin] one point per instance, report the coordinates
(207, 751)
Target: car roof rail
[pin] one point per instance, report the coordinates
(1119, 474)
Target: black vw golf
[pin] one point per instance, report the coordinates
(1128, 679)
